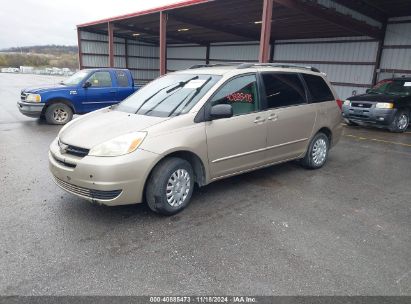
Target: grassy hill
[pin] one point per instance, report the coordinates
(60, 56)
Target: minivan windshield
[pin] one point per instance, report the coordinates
(169, 95)
(393, 87)
(75, 79)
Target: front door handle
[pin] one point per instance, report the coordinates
(259, 120)
(112, 91)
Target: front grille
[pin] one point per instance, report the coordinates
(23, 96)
(77, 151)
(361, 105)
(88, 193)
(63, 163)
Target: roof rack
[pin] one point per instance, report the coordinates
(247, 65)
(197, 66)
(278, 65)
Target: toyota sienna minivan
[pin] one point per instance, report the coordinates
(195, 127)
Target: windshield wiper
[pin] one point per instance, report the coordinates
(181, 84)
(145, 101)
(160, 102)
(197, 91)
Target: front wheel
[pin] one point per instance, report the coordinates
(58, 114)
(170, 186)
(350, 123)
(400, 122)
(317, 152)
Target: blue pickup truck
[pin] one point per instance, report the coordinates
(85, 91)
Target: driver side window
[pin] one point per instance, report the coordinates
(100, 79)
(240, 93)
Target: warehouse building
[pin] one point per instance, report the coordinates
(356, 42)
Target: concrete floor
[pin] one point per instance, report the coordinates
(341, 230)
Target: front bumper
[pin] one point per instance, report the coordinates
(108, 181)
(369, 115)
(30, 109)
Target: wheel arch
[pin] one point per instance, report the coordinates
(55, 100)
(193, 159)
(327, 131)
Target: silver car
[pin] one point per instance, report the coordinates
(195, 127)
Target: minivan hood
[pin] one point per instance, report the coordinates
(102, 125)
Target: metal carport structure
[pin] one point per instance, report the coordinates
(356, 42)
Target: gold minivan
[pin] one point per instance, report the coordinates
(194, 127)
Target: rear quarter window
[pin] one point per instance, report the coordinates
(318, 88)
(122, 78)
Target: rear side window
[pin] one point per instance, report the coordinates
(122, 78)
(283, 90)
(318, 88)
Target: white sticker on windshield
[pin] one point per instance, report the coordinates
(407, 84)
(194, 84)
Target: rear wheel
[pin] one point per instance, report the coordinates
(58, 114)
(170, 186)
(317, 152)
(400, 122)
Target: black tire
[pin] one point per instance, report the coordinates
(157, 194)
(398, 125)
(58, 114)
(311, 160)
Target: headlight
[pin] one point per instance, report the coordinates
(121, 145)
(384, 105)
(33, 98)
(347, 103)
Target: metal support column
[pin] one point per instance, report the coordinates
(110, 45)
(264, 54)
(208, 53)
(272, 48)
(126, 52)
(80, 55)
(379, 54)
(163, 43)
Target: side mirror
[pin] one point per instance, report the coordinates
(367, 91)
(221, 111)
(87, 84)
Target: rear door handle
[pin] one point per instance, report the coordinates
(112, 91)
(273, 117)
(259, 120)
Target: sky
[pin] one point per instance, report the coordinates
(40, 22)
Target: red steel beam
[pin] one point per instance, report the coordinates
(80, 55)
(146, 12)
(110, 44)
(264, 54)
(163, 43)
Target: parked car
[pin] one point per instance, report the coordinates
(194, 127)
(83, 92)
(388, 104)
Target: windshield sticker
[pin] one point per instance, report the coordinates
(194, 84)
(407, 84)
(240, 97)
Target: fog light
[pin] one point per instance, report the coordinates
(380, 118)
